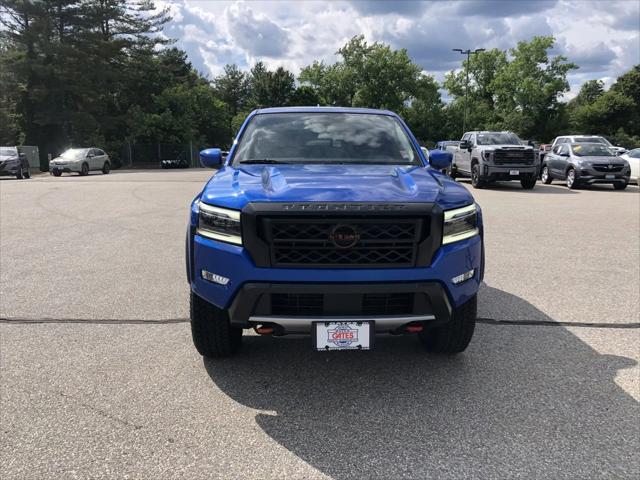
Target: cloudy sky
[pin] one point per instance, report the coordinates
(602, 36)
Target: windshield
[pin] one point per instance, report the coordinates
(591, 150)
(325, 138)
(498, 138)
(602, 140)
(75, 153)
(8, 151)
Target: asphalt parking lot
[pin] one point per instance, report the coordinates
(99, 377)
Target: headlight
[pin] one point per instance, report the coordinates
(219, 224)
(459, 224)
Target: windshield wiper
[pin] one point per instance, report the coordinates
(260, 160)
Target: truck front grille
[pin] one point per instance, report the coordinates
(349, 242)
(513, 157)
(305, 304)
(370, 304)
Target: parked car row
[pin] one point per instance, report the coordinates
(579, 160)
(80, 160)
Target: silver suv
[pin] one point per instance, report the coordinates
(587, 139)
(490, 156)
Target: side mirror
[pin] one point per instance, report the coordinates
(530, 143)
(440, 159)
(211, 157)
(464, 144)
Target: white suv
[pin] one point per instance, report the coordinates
(80, 160)
(586, 139)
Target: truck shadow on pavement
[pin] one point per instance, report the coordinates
(522, 401)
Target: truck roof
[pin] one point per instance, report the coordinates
(488, 131)
(373, 111)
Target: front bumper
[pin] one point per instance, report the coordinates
(252, 305)
(249, 286)
(503, 173)
(589, 177)
(9, 168)
(65, 168)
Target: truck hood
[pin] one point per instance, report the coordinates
(235, 187)
(506, 147)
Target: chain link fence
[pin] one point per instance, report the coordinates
(150, 155)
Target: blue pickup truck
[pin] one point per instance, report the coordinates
(332, 222)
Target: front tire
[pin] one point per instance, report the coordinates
(19, 174)
(27, 173)
(528, 183)
(56, 173)
(620, 185)
(476, 180)
(84, 170)
(106, 168)
(572, 181)
(213, 335)
(454, 336)
(545, 176)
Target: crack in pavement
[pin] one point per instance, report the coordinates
(100, 412)
(166, 321)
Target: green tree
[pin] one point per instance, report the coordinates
(481, 101)
(529, 87)
(519, 92)
(425, 116)
(367, 76)
(233, 88)
(270, 89)
(70, 63)
(304, 95)
(614, 113)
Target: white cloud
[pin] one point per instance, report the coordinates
(599, 35)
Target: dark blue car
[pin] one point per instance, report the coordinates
(332, 222)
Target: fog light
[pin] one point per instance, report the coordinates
(212, 277)
(463, 277)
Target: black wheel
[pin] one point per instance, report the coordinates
(455, 335)
(528, 183)
(476, 180)
(545, 176)
(27, 173)
(453, 172)
(19, 175)
(84, 170)
(106, 168)
(620, 185)
(572, 181)
(56, 173)
(211, 330)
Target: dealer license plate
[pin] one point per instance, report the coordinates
(335, 335)
(609, 177)
(514, 172)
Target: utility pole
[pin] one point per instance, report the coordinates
(468, 53)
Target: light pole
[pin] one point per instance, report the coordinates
(468, 53)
